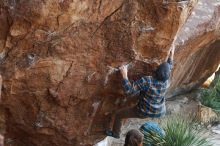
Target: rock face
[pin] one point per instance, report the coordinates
(58, 58)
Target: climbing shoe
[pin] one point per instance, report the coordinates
(110, 133)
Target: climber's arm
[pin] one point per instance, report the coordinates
(170, 59)
(172, 52)
(132, 88)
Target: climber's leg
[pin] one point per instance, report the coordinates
(124, 114)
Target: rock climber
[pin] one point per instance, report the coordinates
(151, 91)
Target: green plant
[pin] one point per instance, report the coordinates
(179, 131)
(211, 97)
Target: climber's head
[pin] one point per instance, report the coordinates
(133, 138)
(162, 72)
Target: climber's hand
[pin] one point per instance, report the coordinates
(124, 71)
(172, 52)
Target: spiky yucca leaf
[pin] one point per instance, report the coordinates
(211, 97)
(178, 132)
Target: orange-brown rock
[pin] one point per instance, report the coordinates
(58, 58)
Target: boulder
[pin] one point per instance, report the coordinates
(59, 59)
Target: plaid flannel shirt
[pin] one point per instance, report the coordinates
(151, 94)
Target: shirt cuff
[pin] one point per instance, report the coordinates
(170, 61)
(125, 81)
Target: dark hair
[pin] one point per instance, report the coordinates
(162, 72)
(133, 138)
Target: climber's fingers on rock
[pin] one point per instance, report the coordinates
(123, 68)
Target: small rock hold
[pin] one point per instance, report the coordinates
(185, 100)
(89, 77)
(216, 131)
(2, 55)
(209, 126)
(146, 29)
(31, 58)
(9, 141)
(19, 27)
(173, 108)
(53, 93)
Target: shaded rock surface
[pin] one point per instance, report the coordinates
(58, 58)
